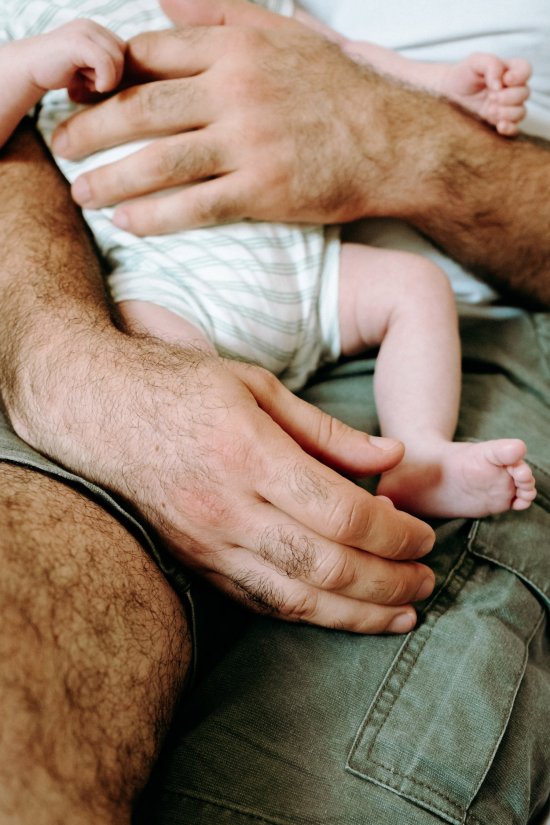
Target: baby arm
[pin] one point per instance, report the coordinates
(493, 89)
(80, 53)
(490, 87)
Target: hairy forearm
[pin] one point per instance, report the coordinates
(481, 197)
(494, 213)
(50, 285)
(68, 375)
(205, 451)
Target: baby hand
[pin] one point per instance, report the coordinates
(493, 88)
(79, 54)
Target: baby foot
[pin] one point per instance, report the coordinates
(492, 88)
(462, 479)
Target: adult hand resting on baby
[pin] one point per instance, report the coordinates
(220, 107)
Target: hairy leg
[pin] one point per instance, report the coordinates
(94, 650)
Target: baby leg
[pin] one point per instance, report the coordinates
(404, 303)
(143, 317)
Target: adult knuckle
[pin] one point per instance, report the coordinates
(268, 382)
(305, 483)
(142, 103)
(301, 606)
(176, 161)
(336, 573)
(327, 429)
(350, 522)
(208, 507)
(145, 47)
(136, 102)
(209, 210)
(260, 594)
(204, 211)
(186, 34)
(246, 41)
(292, 555)
(390, 591)
(167, 162)
(399, 546)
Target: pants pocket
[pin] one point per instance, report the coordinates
(436, 722)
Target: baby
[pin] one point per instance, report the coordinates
(292, 298)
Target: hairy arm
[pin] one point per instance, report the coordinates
(278, 124)
(216, 456)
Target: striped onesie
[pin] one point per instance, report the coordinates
(264, 293)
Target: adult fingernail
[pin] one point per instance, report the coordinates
(60, 140)
(81, 191)
(402, 623)
(426, 546)
(120, 219)
(383, 443)
(425, 589)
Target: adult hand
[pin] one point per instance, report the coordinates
(235, 111)
(226, 464)
(231, 483)
(219, 458)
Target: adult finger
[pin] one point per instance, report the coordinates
(319, 434)
(151, 110)
(323, 500)
(187, 68)
(166, 163)
(317, 497)
(301, 554)
(204, 204)
(313, 494)
(171, 53)
(272, 594)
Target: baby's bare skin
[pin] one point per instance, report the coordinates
(79, 55)
(461, 479)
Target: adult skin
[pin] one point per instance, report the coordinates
(94, 639)
(94, 649)
(220, 102)
(218, 457)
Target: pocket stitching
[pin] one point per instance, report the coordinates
(448, 806)
(441, 602)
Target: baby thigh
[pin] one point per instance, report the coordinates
(144, 317)
(384, 289)
(251, 290)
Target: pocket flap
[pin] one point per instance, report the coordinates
(439, 716)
